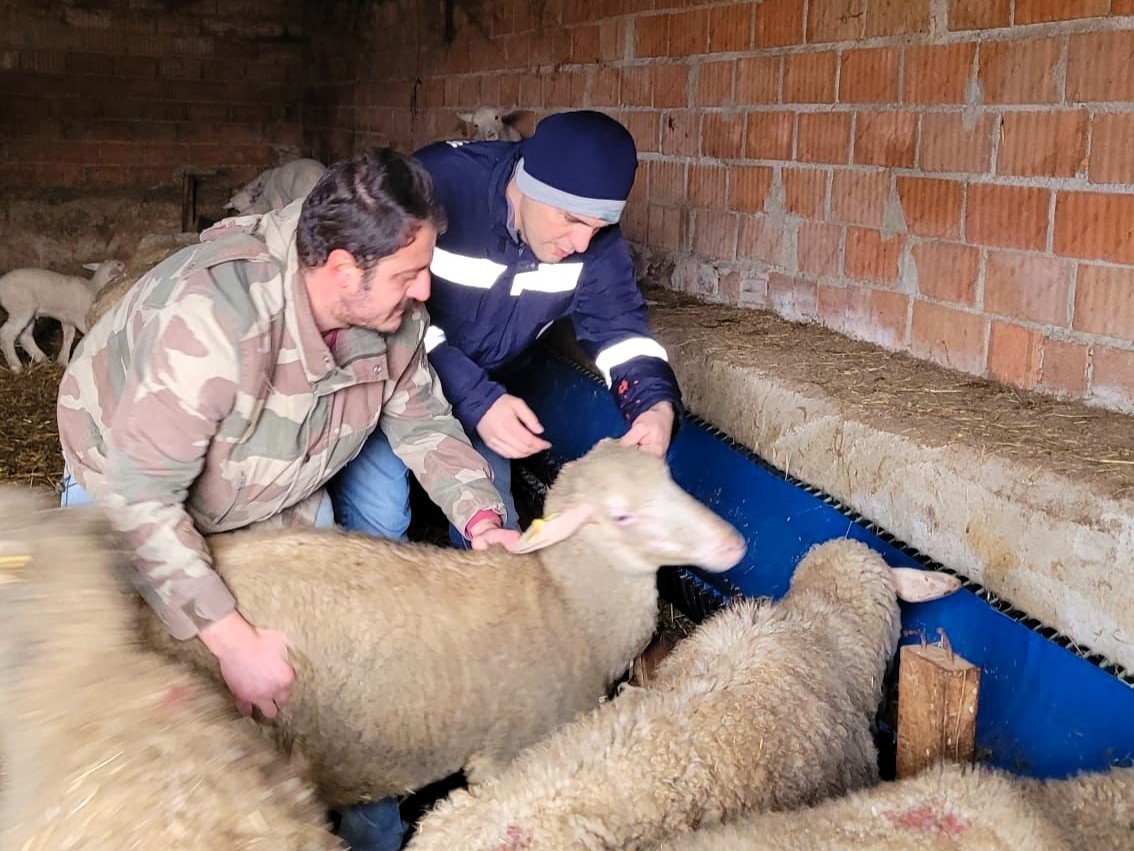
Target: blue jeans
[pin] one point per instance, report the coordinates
(376, 826)
(371, 494)
(73, 493)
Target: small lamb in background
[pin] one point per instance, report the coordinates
(277, 187)
(26, 294)
(489, 124)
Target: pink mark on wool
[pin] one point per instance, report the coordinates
(516, 838)
(925, 818)
(174, 700)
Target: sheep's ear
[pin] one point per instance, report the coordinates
(465, 116)
(90, 267)
(552, 529)
(920, 586)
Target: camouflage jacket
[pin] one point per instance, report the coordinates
(207, 400)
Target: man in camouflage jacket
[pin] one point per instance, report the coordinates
(239, 375)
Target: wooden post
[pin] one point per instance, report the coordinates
(937, 706)
(188, 202)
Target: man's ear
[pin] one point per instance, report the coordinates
(344, 271)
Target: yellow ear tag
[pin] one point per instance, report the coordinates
(533, 530)
(10, 567)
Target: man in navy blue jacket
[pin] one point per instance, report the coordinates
(533, 237)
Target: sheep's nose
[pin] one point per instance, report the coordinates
(725, 552)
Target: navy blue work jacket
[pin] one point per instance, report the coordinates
(491, 297)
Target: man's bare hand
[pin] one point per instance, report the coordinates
(253, 662)
(651, 430)
(495, 537)
(510, 428)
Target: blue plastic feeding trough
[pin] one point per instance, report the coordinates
(1047, 708)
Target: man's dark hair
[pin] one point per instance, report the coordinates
(369, 205)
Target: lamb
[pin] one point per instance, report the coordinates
(414, 662)
(763, 707)
(151, 250)
(489, 124)
(107, 746)
(26, 294)
(276, 187)
(946, 807)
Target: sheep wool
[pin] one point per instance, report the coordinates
(946, 808)
(763, 707)
(106, 746)
(277, 187)
(414, 662)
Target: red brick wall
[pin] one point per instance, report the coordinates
(946, 177)
(130, 93)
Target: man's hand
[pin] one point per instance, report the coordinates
(253, 663)
(488, 532)
(651, 430)
(510, 428)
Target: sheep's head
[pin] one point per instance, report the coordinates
(489, 124)
(846, 581)
(57, 574)
(104, 273)
(247, 195)
(484, 125)
(624, 503)
(841, 568)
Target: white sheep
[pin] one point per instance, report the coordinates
(946, 807)
(150, 251)
(106, 746)
(414, 662)
(763, 707)
(276, 187)
(489, 124)
(26, 294)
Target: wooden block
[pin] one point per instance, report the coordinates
(937, 706)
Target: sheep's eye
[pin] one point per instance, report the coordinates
(623, 518)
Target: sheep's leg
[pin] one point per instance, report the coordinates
(28, 344)
(68, 341)
(8, 334)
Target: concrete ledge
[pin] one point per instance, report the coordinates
(1029, 496)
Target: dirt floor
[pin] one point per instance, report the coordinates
(29, 441)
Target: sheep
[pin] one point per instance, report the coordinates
(107, 746)
(1093, 810)
(946, 807)
(277, 187)
(414, 662)
(151, 250)
(489, 124)
(763, 707)
(26, 294)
